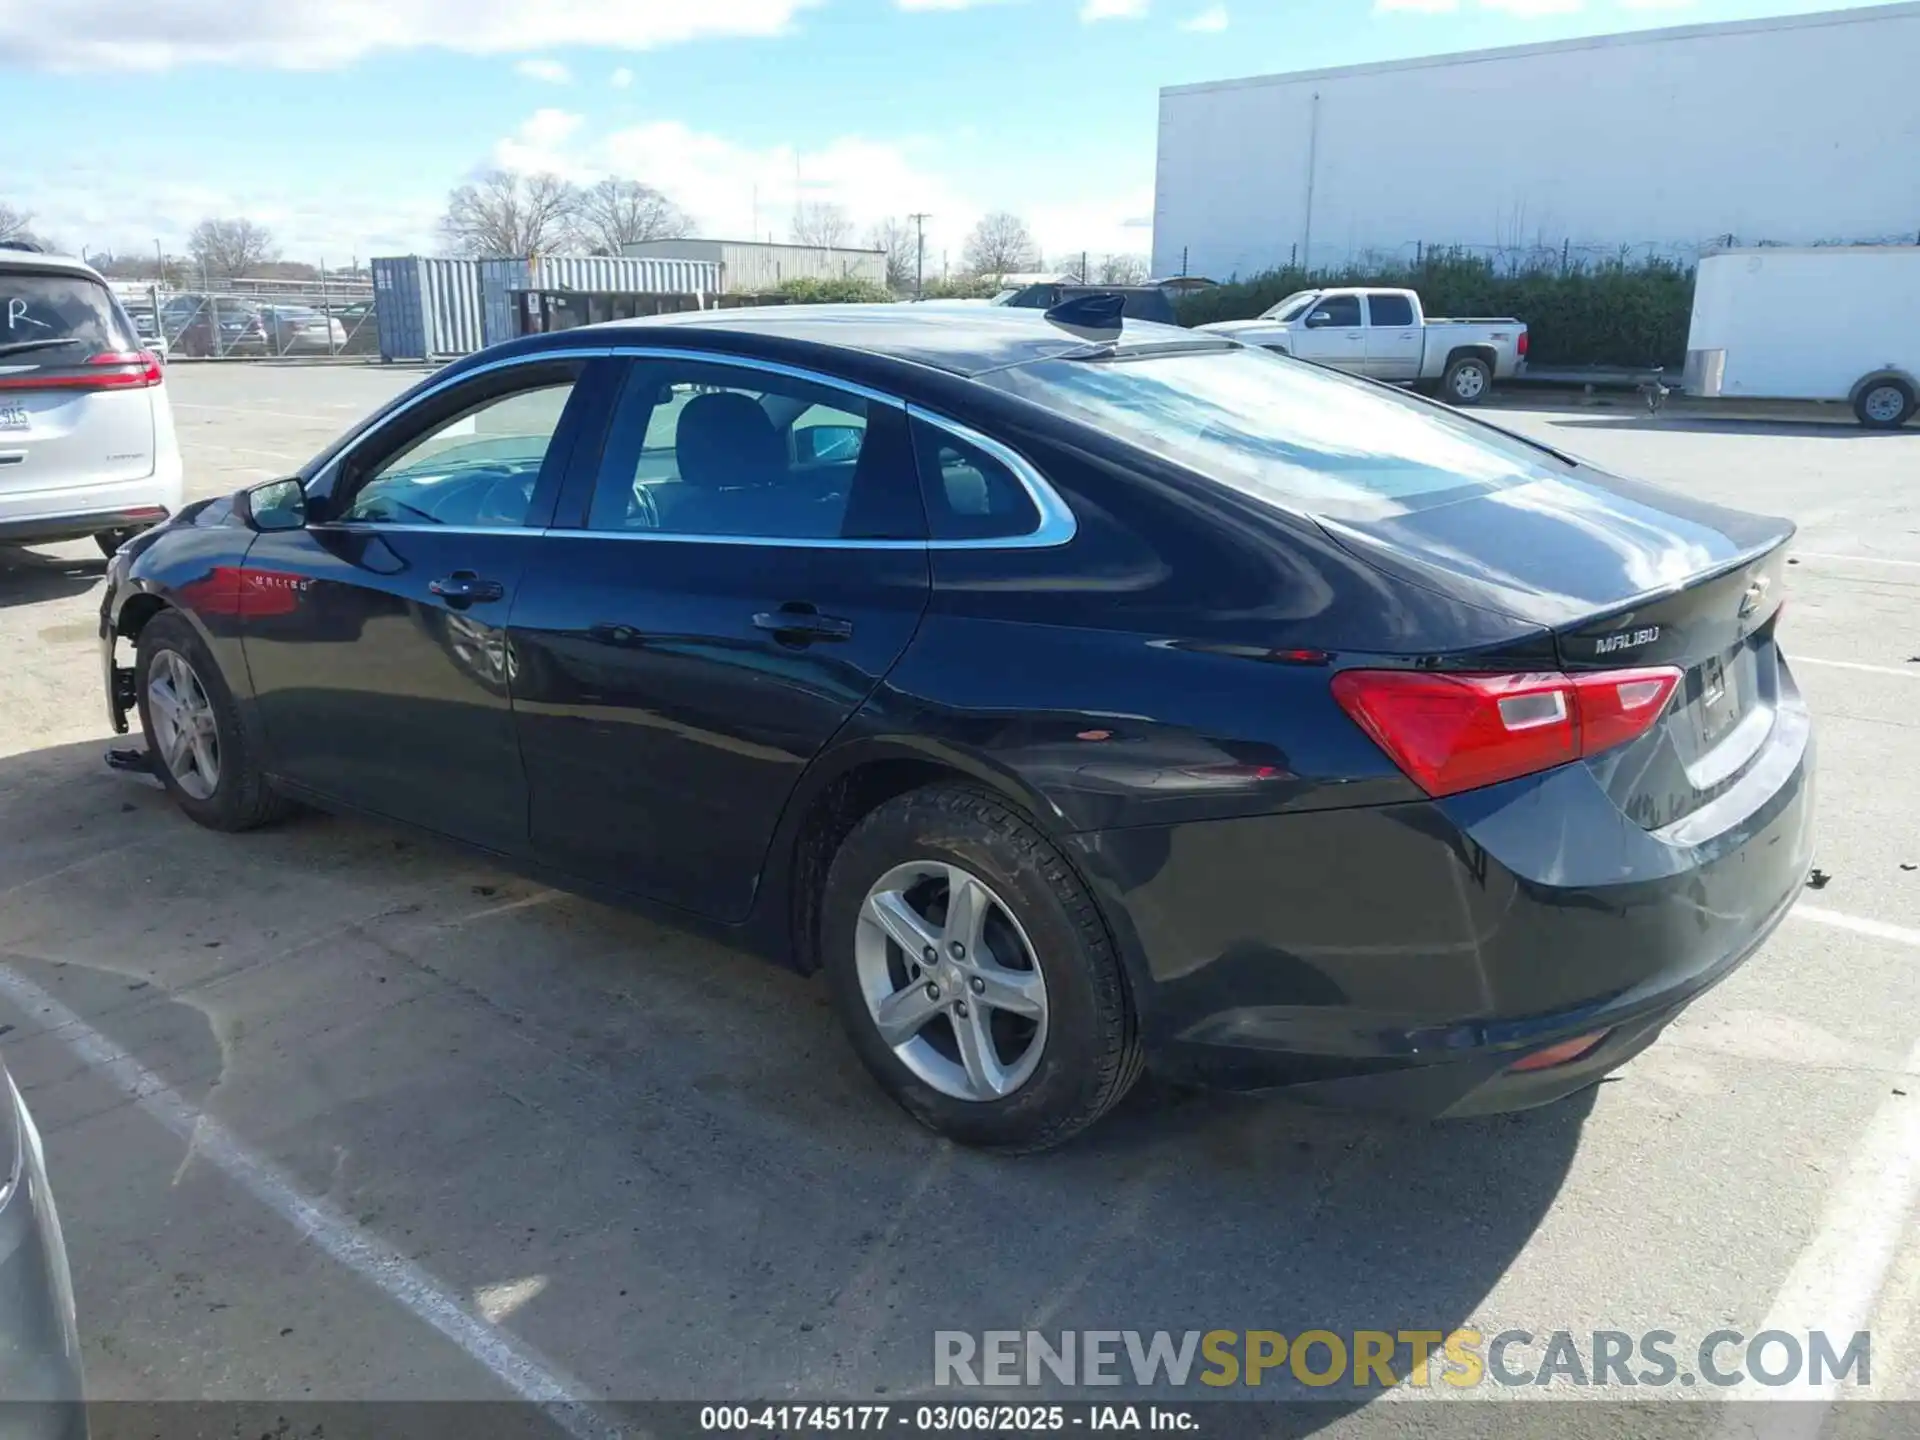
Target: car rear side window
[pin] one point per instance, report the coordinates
(699, 448)
(970, 494)
(1390, 310)
(49, 319)
(1295, 436)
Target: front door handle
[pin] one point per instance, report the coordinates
(466, 587)
(800, 625)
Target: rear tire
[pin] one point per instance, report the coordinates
(1884, 404)
(1466, 381)
(213, 774)
(1071, 1050)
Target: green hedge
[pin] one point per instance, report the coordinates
(1609, 313)
(834, 292)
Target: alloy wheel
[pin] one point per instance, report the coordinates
(951, 980)
(1469, 382)
(185, 731)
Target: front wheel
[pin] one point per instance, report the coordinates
(199, 749)
(1884, 404)
(1467, 380)
(974, 974)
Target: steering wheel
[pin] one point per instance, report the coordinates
(505, 499)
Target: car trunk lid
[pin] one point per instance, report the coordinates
(75, 402)
(1624, 576)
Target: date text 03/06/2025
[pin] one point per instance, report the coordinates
(1008, 1419)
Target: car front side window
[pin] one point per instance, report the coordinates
(475, 467)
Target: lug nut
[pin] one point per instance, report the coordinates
(979, 985)
(933, 991)
(960, 1008)
(929, 954)
(959, 950)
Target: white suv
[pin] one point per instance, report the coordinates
(87, 444)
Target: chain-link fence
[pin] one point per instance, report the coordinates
(255, 320)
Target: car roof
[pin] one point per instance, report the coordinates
(36, 260)
(961, 338)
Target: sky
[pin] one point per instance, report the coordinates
(343, 124)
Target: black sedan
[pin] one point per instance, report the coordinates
(1076, 694)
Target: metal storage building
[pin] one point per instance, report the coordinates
(753, 267)
(1798, 130)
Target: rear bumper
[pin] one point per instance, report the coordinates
(1404, 957)
(73, 512)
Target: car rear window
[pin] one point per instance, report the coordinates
(1293, 435)
(52, 319)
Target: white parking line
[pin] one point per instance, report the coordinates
(256, 410)
(1863, 559)
(1836, 1280)
(1904, 674)
(511, 1361)
(1879, 929)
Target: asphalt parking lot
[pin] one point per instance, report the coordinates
(334, 1112)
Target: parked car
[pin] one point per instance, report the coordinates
(1386, 335)
(301, 329)
(40, 1375)
(1140, 302)
(1759, 332)
(146, 327)
(1141, 697)
(190, 321)
(87, 441)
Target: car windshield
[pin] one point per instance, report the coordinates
(1289, 434)
(1291, 307)
(53, 319)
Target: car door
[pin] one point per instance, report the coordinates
(1333, 333)
(376, 635)
(750, 563)
(1394, 337)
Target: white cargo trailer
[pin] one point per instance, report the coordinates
(1839, 322)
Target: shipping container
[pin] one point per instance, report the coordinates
(427, 308)
(1665, 142)
(1825, 323)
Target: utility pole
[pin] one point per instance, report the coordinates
(919, 219)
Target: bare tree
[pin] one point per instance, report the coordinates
(505, 214)
(231, 247)
(1122, 270)
(14, 223)
(897, 238)
(822, 223)
(619, 212)
(999, 243)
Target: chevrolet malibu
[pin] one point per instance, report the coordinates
(1076, 694)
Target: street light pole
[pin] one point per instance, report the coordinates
(919, 219)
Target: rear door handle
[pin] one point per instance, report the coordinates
(464, 585)
(797, 625)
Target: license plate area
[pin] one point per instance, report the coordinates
(14, 418)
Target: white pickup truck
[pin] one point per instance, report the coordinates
(1385, 335)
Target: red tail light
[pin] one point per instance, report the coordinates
(109, 370)
(1458, 732)
(1520, 345)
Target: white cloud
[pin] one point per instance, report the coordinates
(621, 78)
(1094, 11)
(551, 72)
(1210, 21)
(945, 4)
(538, 145)
(318, 34)
(1424, 7)
(1525, 8)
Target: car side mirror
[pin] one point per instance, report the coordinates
(1319, 318)
(827, 444)
(276, 505)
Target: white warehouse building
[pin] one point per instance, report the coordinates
(1799, 130)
